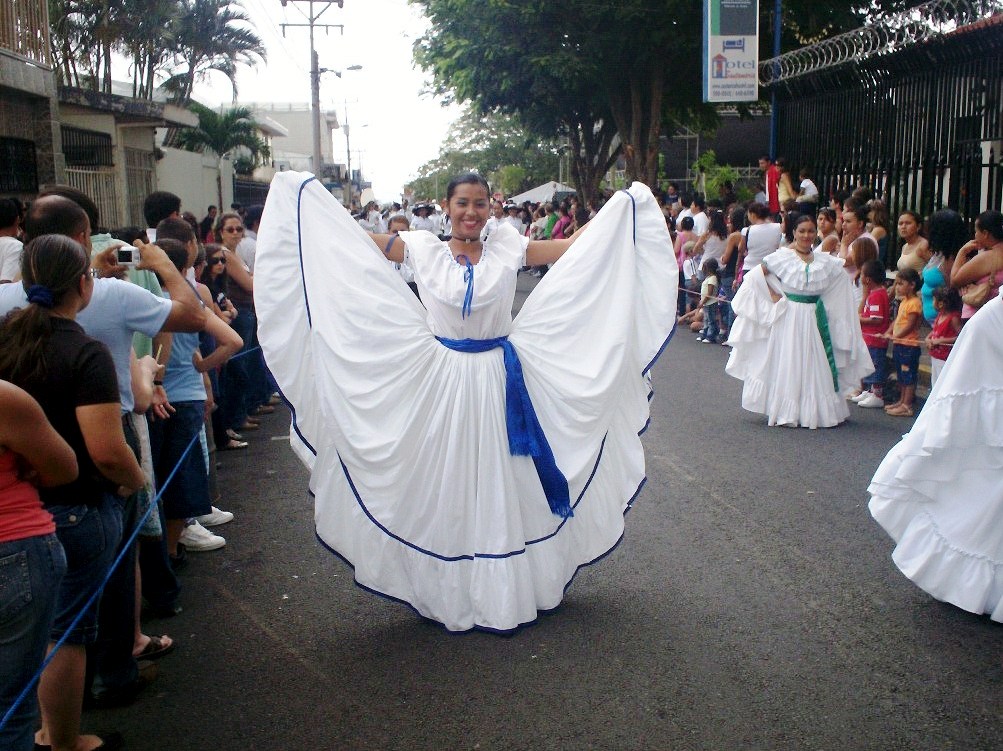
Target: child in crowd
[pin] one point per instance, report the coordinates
(874, 320)
(946, 326)
(397, 224)
(708, 301)
(691, 273)
(905, 332)
(684, 235)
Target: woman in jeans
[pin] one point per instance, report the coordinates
(31, 559)
(44, 351)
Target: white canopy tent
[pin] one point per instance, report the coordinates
(545, 192)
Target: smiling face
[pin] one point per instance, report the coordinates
(468, 210)
(804, 235)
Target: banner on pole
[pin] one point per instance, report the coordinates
(731, 51)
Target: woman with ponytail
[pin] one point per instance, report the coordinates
(45, 352)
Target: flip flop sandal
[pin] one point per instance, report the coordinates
(233, 445)
(156, 648)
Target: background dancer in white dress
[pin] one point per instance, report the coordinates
(796, 342)
(431, 474)
(938, 491)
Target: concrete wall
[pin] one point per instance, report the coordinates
(193, 177)
(28, 110)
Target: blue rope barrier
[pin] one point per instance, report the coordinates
(100, 588)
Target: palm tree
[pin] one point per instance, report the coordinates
(149, 40)
(222, 133)
(212, 35)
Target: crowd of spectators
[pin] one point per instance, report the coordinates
(929, 262)
(126, 356)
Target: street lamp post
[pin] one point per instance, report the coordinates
(315, 71)
(348, 153)
(348, 157)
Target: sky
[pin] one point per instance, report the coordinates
(394, 127)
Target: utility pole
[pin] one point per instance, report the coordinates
(348, 157)
(311, 18)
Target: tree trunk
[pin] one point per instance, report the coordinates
(219, 184)
(638, 117)
(593, 156)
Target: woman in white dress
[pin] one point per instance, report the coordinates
(431, 475)
(796, 342)
(938, 491)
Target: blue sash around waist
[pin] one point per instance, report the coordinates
(525, 436)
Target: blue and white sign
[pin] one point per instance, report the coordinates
(731, 51)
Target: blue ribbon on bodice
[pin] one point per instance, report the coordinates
(525, 436)
(468, 278)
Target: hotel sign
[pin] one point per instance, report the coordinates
(731, 51)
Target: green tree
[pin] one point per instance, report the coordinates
(509, 179)
(588, 71)
(80, 36)
(489, 145)
(540, 78)
(182, 41)
(212, 35)
(149, 41)
(599, 77)
(222, 134)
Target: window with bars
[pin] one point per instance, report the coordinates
(18, 166)
(85, 148)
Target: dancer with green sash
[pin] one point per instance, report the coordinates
(796, 343)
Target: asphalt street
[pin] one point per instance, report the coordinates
(752, 604)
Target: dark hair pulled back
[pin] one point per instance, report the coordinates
(51, 268)
(468, 178)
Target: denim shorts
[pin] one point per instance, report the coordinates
(30, 572)
(90, 536)
(906, 359)
(187, 494)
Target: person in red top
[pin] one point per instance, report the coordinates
(771, 174)
(31, 453)
(946, 327)
(874, 320)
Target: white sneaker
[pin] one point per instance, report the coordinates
(215, 518)
(197, 538)
(856, 397)
(870, 401)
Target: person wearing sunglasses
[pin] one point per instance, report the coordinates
(237, 377)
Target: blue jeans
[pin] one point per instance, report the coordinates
(110, 663)
(710, 327)
(90, 536)
(261, 381)
(30, 572)
(906, 359)
(727, 313)
(237, 383)
(188, 492)
(879, 357)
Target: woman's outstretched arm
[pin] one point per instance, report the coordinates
(540, 252)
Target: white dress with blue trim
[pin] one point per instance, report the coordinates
(939, 491)
(792, 372)
(408, 440)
